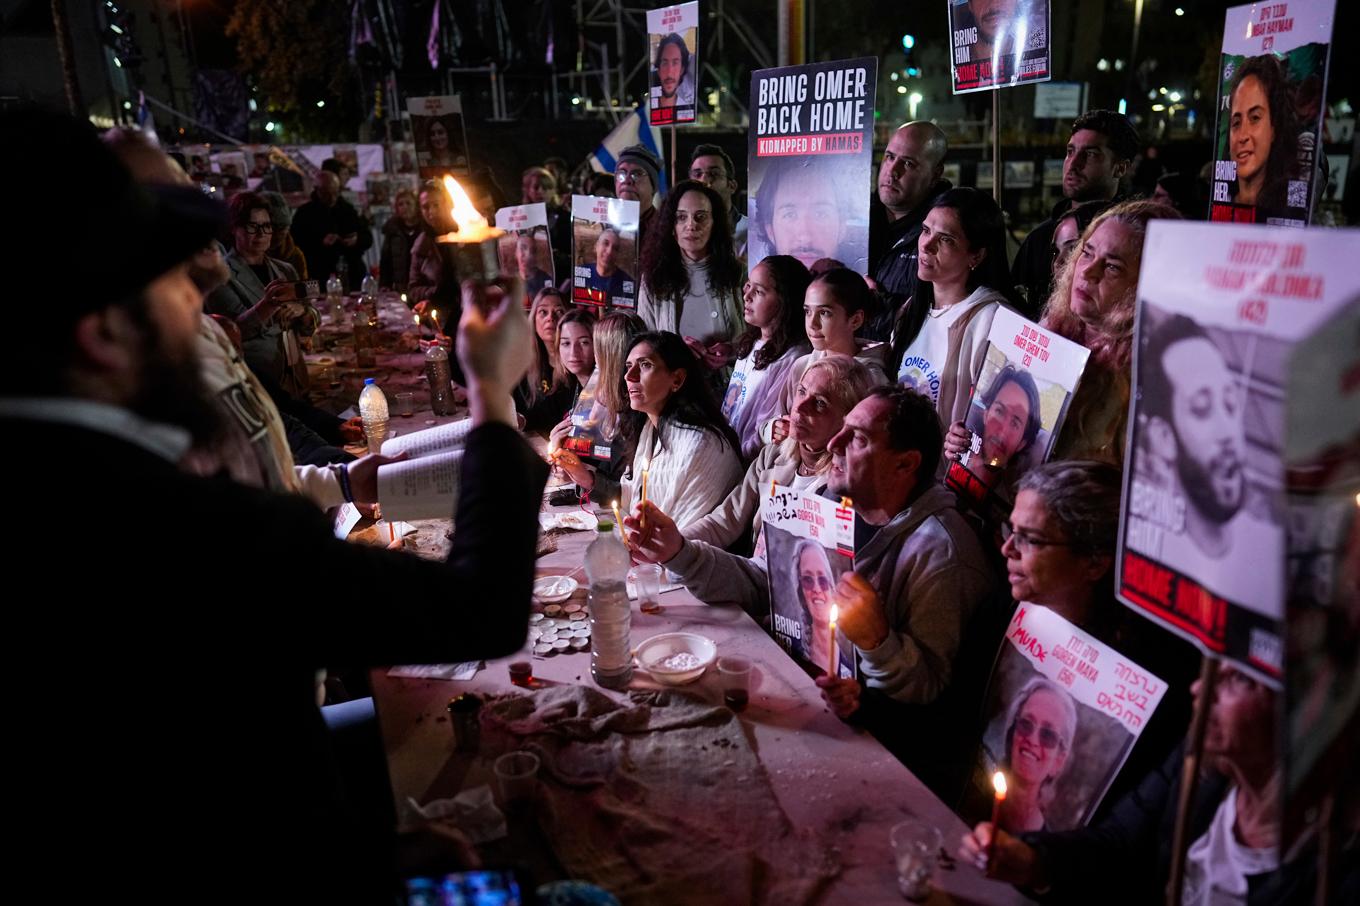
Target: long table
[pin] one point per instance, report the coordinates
(826, 775)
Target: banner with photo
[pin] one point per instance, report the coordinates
(593, 427)
(1019, 401)
(604, 251)
(998, 43)
(673, 63)
(1062, 712)
(525, 248)
(809, 543)
(810, 154)
(439, 134)
(1202, 544)
(1272, 89)
(1322, 598)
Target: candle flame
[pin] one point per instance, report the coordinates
(999, 784)
(835, 612)
(434, 315)
(464, 213)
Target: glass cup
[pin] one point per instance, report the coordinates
(516, 778)
(647, 577)
(406, 404)
(734, 677)
(328, 377)
(916, 846)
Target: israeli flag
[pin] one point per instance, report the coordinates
(634, 130)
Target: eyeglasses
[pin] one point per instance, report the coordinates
(714, 173)
(1024, 541)
(1048, 737)
(630, 175)
(815, 581)
(255, 229)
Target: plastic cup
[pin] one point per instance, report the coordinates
(647, 576)
(516, 778)
(916, 846)
(406, 404)
(734, 678)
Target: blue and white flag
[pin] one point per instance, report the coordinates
(632, 131)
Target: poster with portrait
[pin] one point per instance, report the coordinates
(1062, 713)
(1019, 400)
(1272, 88)
(525, 249)
(672, 63)
(810, 155)
(439, 135)
(809, 543)
(593, 426)
(1322, 598)
(1202, 545)
(604, 252)
(998, 43)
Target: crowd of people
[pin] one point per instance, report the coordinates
(730, 375)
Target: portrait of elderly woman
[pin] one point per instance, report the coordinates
(1040, 728)
(812, 578)
(1263, 133)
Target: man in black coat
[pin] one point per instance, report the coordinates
(172, 740)
(328, 229)
(1101, 148)
(909, 179)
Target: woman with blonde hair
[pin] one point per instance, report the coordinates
(823, 394)
(612, 336)
(539, 400)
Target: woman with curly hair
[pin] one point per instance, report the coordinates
(1263, 133)
(691, 276)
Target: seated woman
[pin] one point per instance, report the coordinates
(940, 339)
(1093, 304)
(829, 388)
(677, 440)
(773, 307)
(691, 277)
(612, 337)
(1235, 827)
(540, 401)
(835, 306)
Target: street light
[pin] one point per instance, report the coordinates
(914, 101)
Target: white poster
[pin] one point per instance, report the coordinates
(604, 253)
(672, 63)
(525, 248)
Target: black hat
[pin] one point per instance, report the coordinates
(83, 215)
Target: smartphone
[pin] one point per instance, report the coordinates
(300, 289)
(565, 497)
(492, 887)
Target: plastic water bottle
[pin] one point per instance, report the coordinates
(611, 655)
(335, 299)
(368, 299)
(373, 411)
(440, 379)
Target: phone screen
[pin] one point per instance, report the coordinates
(465, 888)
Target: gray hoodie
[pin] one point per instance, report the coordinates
(928, 569)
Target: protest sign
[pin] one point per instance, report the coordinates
(809, 543)
(998, 43)
(1202, 543)
(1063, 711)
(672, 63)
(810, 152)
(1019, 400)
(604, 257)
(1271, 90)
(593, 427)
(525, 249)
(440, 138)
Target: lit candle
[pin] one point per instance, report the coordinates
(475, 241)
(998, 784)
(834, 654)
(618, 521)
(642, 504)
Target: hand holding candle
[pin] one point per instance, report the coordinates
(999, 785)
(834, 654)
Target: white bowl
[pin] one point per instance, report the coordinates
(652, 653)
(554, 589)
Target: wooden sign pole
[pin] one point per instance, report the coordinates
(1208, 678)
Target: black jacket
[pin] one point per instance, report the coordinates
(170, 701)
(311, 224)
(892, 258)
(1032, 268)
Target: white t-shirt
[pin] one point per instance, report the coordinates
(1217, 866)
(742, 387)
(924, 360)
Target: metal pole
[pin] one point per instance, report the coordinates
(996, 145)
(1208, 677)
(672, 155)
(67, 55)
